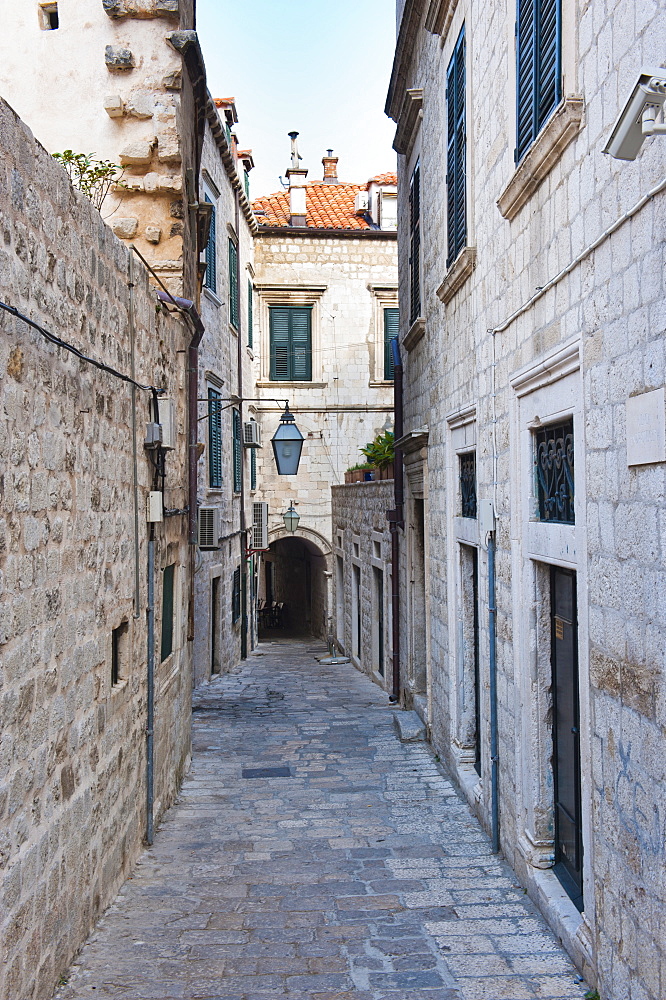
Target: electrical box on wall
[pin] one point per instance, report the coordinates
(486, 517)
(154, 507)
(167, 412)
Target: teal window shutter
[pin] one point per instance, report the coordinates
(253, 468)
(166, 645)
(539, 68)
(237, 452)
(455, 157)
(233, 284)
(390, 333)
(415, 244)
(291, 343)
(236, 595)
(210, 277)
(214, 439)
(250, 313)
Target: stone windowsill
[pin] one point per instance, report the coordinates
(266, 384)
(210, 294)
(549, 145)
(381, 383)
(414, 334)
(457, 274)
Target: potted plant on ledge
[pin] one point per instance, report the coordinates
(380, 454)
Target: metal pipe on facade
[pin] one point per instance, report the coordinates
(492, 661)
(396, 518)
(239, 357)
(135, 460)
(150, 710)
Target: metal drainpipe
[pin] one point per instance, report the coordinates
(135, 461)
(492, 638)
(150, 720)
(239, 354)
(396, 518)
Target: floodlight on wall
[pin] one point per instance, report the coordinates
(287, 444)
(291, 518)
(638, 119)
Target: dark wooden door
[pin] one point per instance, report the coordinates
(566, 735)
(477, 667)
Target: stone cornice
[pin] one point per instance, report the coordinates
(549, 145)
(561, 362)
(410, 118)
(220, 137)
(413, 441)
(412, 16)
(458, 274)
(439, 16)
(462, 416)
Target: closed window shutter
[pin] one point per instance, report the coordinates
(456, 167)
(253, 468)
(539, 71)
(233, 283)
(210, 278)
(166, 644)
(280, 371)
(237, 452)
(415, 245)
(214, 439)
(391, 317)
(236, 595)
(250, 318)
(301, 347)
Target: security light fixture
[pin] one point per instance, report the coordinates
(638, 119)
(287, 444)
(291, 518)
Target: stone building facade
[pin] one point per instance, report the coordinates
(362, 580)
(532, 336)
(336, 266)
(75, 564)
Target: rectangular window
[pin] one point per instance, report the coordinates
(210, 277)
(253, 468)
(119, 653)
(468, 484)
(250, 313)
(48, 16)
(415, 244)
(234, 310)
(390, 333)
(455, 158)
(554, 472)
(236, 595)
(539, 68)
(238, 452)
(291, 343)
(214, 439)
(166, 645)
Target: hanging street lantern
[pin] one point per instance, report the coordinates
(291, 518)
(287, 444)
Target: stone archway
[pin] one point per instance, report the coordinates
(296, 575)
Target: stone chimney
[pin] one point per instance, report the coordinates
(330, 168)
(297, 189)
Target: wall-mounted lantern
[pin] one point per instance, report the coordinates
(291, 518)
(287, 444)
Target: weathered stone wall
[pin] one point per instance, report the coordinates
(607, 318)
(72, 750)
(359, 521)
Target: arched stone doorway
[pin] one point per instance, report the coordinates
(295, 575)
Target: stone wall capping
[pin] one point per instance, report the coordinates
(554, 138)
(411, 115)
(457, 274)
(414, 334)
(118, 9)
(439, 16)
(563, 361)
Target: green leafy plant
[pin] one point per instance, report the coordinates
(380, 452)
(93, 177)
(592, 995)
(360, 467)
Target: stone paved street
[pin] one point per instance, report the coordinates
(355, 872)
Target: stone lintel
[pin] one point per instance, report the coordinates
(439, 16)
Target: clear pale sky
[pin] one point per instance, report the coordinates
(316, 67)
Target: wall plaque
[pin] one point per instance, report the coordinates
(646, 428)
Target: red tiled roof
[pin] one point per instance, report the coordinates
(386, 179)
(329, 206)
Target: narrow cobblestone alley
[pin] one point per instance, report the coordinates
(312, 855)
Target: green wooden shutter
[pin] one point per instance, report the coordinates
(166, 644)
(279, 330)
(210, 278)
(391, 317)
(233, 283)
(214, 439)
(539, 68)
(253, 468)
(236, 595)
(455, 166)
(238, 447)
(415, 245)
(250, 313)
(301, 344)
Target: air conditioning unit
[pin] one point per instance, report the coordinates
(209, 528)
(260, 525)
(251, 434)
(361, 202)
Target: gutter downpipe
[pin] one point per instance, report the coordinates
(150, 710)
(135, 460)
(492, 621)
(396, 519)
(239, 355)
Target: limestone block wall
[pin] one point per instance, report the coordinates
(72, 748)
(362, 544)
(583, 348)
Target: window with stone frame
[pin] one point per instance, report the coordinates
(237, 451)
(214, 439)
(391, 328)
(467, 478)
(415, 244)
(554, 472)
(291, 343)
(456, 182)
(234, 303)
(538, 68)
(210, 275)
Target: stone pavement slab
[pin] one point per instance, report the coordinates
(313, 856)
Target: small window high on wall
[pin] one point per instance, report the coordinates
(48, 16)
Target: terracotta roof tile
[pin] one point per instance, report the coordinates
(329, 206)
(387, 179)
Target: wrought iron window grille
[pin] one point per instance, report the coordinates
(554, 472)
(468, 483)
